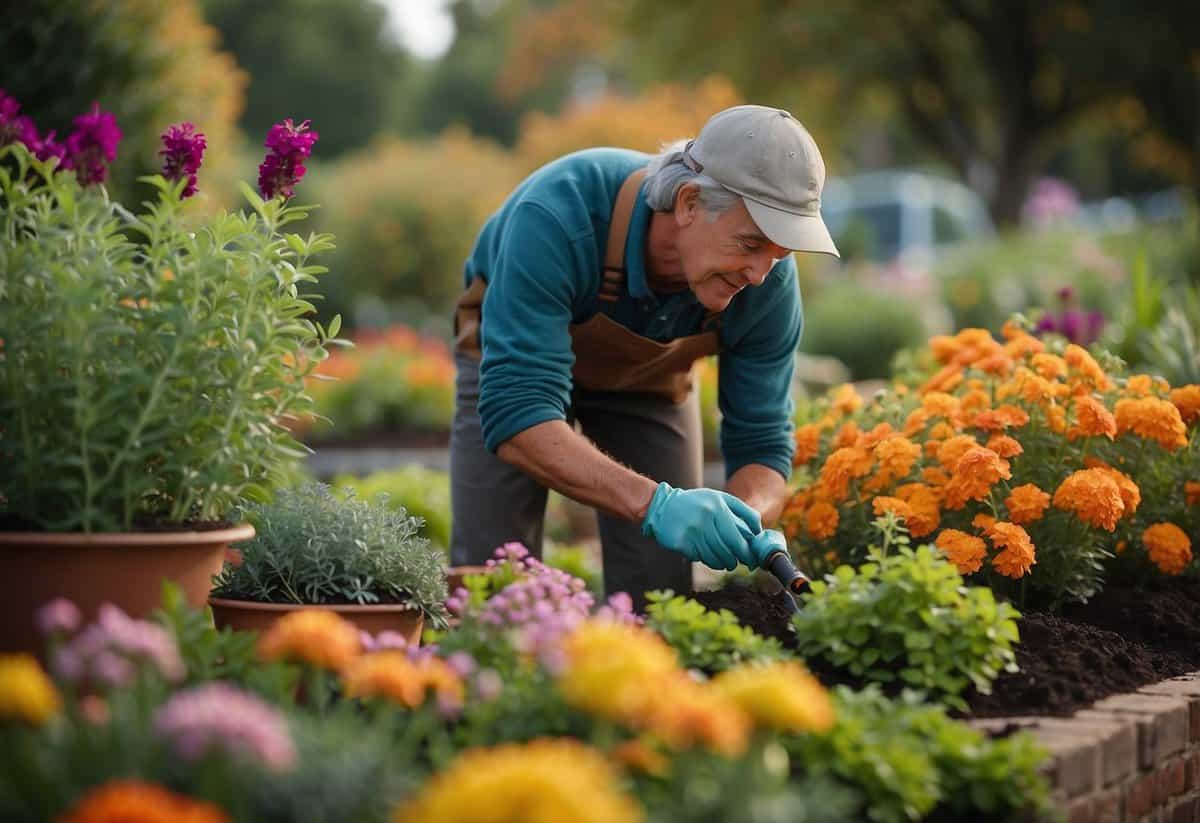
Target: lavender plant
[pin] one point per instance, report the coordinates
(148, 361)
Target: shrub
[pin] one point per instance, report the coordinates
(420, 492)
(1030, 463)
(907, 617)
(312, 547)
(862, 329)
(711, 641)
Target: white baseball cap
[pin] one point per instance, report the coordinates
(768, 158)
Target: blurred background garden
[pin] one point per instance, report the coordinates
(984, 158)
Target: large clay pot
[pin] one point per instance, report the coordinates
(124, 568)
(248, 615)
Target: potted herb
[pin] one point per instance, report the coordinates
(147, 363)
(362, 559)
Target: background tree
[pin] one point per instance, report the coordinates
(149, 62)
(331, 61)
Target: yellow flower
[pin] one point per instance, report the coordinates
(966, 551)
(924, 508)
(612, 668)
(782, 696)
(683, 713)
(393, 676)
(845, 399)
(1153, 419)
(1187, 400)
(1017, 553)
(1026, 504)
(822, 520)
(1094, 497)
(318, 637)
(1092, 419)
(132, 801)
(26, 693)
(1168, 547)
(543, 781)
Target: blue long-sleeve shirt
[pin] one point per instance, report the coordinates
(542, 254)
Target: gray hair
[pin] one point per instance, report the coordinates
(666, 174)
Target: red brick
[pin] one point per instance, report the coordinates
(1139, 799)
(1096, 808)
(1162, 723)
(1171, 780)
(1186, 811)
(1192, 780)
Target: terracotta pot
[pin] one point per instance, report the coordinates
(455, 575)
(124, 568)
(249, 615)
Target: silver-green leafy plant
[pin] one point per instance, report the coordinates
(147, 360)
(314, 547)
(907, 618)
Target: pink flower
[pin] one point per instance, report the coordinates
(59, 616)
(290, 145)
(217, 717)
(182, 153)
(93, 145)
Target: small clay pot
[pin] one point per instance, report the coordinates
(249, 615)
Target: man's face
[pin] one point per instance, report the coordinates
(723, 256)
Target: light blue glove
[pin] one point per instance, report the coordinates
(764, 544)
(705, 525)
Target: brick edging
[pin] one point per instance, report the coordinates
(1129, 758)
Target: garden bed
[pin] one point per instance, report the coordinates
(1123, 639)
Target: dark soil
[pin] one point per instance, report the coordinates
(17, 523)
(1122, 639)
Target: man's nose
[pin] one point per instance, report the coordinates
(756, 272)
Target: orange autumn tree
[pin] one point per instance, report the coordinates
(1035, 466)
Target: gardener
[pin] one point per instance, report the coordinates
(589, 297)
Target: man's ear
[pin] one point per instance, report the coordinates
(687, 204)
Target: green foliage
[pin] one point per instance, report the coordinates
(907, 617)
(314, 547)
(863, 329)
(1170, 349)
(908, 758)
(421, 492)
(576, 561)
(151, 63)
(156, 354)
(711, 641)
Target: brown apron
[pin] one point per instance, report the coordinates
(608, 356)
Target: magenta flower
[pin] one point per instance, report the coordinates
(12, 122)
(290, 145)
(219, 718)
(59, 616)
(182, 152)
(93, 145)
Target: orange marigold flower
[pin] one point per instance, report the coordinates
(945, 379)
(1139, 385)
(1002, 417)
(840, 468)
(822, 520)
(1010, 330)
(1056, 418)
(134, 801)
(935, 476)
(883, 503)
(915, 421)
(847, 435)
(1169, 548)
(974, 475)
(1131, 495)
(1187, 400)
(1092, 419)
(808, 441)
(940, 404)
(1026, 504)
(1085, 367)
(995, 364)
(1192, 492)
(1017, 554)
(895, 458)
(315, 636)
(846, 399)
(982, 522)
(877, 435)
(951, 451)
(943, 347)
(1049, 366)
(942, 431)
(1093, 496)
(1151, 418)
(1004, 446)
(924, 505)
(392, 676)
(965, 551)
(1022, 345)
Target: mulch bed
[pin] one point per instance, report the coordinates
(1122, 639)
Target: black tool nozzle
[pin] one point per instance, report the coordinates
(779, 564)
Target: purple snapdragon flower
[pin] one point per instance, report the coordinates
(12, 122)
(182, 152)
(93, 145)
(109, 650)
(58, 616)
(1078, 326)
(217, 717)
(290, 145)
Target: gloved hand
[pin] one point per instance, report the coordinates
(765, 543)
(706, 525)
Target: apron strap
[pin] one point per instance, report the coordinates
(613, 277)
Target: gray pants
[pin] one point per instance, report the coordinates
(493, 503)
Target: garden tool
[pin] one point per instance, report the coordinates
(792, 579)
